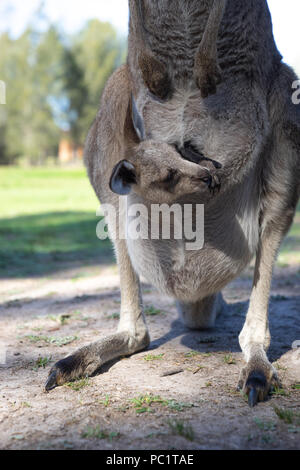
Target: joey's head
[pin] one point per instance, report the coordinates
(156, 171)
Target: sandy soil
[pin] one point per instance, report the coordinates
(197, 408)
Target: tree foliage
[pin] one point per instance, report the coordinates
(53, 85)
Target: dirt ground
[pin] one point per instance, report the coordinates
(130, 405)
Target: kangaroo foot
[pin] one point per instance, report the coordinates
(257, 379)
(87, 360)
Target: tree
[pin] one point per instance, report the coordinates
(29, 66)
(97, 51)
(54, 84)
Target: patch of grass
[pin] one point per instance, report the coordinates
(192, 354)
(18, 437)
(68, 445)
(267, 439)
(35, 190)
(151, 357)
(77, 313)
(279, 366)
(180, 428)
(285, 415)
(179, 406)
(97, 433)
(42, 362)
(57, 341)
(36, 339)
(265, 425)
(147, 291)
(25, 404)
(105, 402)
(290, 249)
(143, 403)
(78, 384)
(243, 395)
(79, 276)
(228, 359)
(39, 228)
(277, 391)
(296, 386)
(123, 408)
(195, 371)
(113, 316)
(61, 319)
(152, 311)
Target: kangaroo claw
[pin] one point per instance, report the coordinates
(252, 397)
(51, 381)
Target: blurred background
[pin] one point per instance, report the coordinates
(55, 59)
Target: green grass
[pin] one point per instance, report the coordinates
(78, 384)
(152, 311)
(277, 391)
(290, 249)
(97, 433)
(151, 357)
(57, 341)
(192, 354)
(146, 404)
(48, 218)
(105, 402)
(142, 404)
(228, 359)
(33, 191)
(41, 362)
(179, 406)
(285, 415)
(265, 425)
(180, 428)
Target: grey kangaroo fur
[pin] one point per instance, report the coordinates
(157, 172)
(251, 127)
(155, 73)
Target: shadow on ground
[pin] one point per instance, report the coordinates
(38, 245)
(284, 312)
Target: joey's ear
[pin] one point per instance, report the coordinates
(122, 178)
(137, 121)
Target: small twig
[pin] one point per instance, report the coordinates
(171, 372)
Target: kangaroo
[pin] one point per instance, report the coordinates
(156, 74)
(251, 128)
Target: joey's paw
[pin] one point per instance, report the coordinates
(64, 371)
(208, 77)
(257, 380)
(212, 179)
(215, 183)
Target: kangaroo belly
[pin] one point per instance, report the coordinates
(187, 271)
